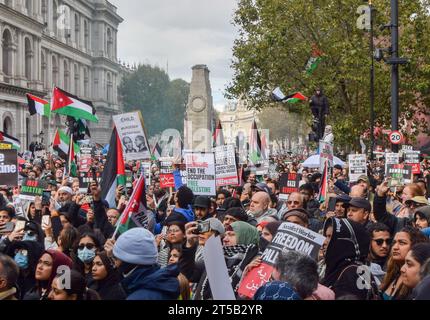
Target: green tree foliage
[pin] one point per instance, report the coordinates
(276, 39)
(161, 101)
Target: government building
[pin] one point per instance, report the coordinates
(71, 44)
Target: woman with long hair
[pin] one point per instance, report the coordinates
(392, 286)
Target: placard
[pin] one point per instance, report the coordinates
(225, 166)
(399, 174)
(166, 174)
(32, 188)
(412, 158)
(391, 158)
(289, 183)
(201, 173)
(357, 166)
(132, 135)
(8, 168)
(326, 154)
(289, 236)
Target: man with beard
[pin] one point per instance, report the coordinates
(380, 244)
(259, 207)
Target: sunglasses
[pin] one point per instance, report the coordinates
(89, 246)
(379, 242)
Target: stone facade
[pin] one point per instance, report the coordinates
(199, 118)
(71, 44)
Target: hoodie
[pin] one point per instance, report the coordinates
(346, 251)
(152, 283)
(26, 279)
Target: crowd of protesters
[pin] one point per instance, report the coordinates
(374, 235)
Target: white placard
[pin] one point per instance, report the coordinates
(357, 166)
(133, 139)
(216, 270)
(225, 165)
(326, 153)
(201, 173)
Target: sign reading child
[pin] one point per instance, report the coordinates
(289, 236)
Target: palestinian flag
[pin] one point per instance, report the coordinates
(114, 172)
(322, 195)
(254, 145)
(73, 168)
(218, 136)
(156, 152)
(83, 127)
(69, 105)
(61, 144)
(295, 97)
(5, 138)
(314, 60)
(38, 105)
(136, 214)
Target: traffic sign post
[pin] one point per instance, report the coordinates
(396, 137)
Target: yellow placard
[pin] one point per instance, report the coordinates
(6, 146)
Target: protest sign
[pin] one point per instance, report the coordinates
(357, 166)
(32, 188)
(412, 158)
(85, 164)
(166, 174)
(225, 165)
(132, 135)
(216, 270)
(8, 168)
(288, 183)
(5, 146)
(146, 167)
(85, 178)
(289, 236)
(399, 174)
(326, 154)
(201, 173)
(40, 154)
(391, 158)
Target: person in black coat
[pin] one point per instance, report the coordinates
(26, 255)
(107, 280)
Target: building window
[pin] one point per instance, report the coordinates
(28, 7)
(66, 83)
(54, 71)
(55, 16)
(28, 58)
(86, 82)
(45, 11)
(86, 35)
(7, 125)
(77, 30)
(7, 55)
(109, 43)
(76, 75)
(109, 87)
(43, 59)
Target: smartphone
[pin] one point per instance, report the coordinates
(19, 225)
(46, 220)
(332, 204)
(46, 197)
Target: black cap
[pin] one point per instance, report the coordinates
(359, 203)
(202, 202)
(337, 166)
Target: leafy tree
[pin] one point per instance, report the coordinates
(161, 101)
(276, 39)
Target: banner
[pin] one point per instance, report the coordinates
(32, 188)
(326, 153)
(357, 166)
(391, 158)
(289, 236)
(166, 174)
(201, 173)
(399, 174)
(8, 168)
(288, 183)
(132, 135)
(412, 158)
(225, 166)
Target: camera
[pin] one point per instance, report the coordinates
(202, 227)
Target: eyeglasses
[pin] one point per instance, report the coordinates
(379, 242)
(89, 246)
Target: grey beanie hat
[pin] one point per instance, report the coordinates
(136, 246)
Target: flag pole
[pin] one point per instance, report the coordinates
(71, 151)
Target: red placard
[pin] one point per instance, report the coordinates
(167, 180)
(256, 278)
(85, 164)
(416, 167)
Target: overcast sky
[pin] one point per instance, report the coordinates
(183, 33)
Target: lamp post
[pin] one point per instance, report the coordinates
(372, 84)
(395, 69)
